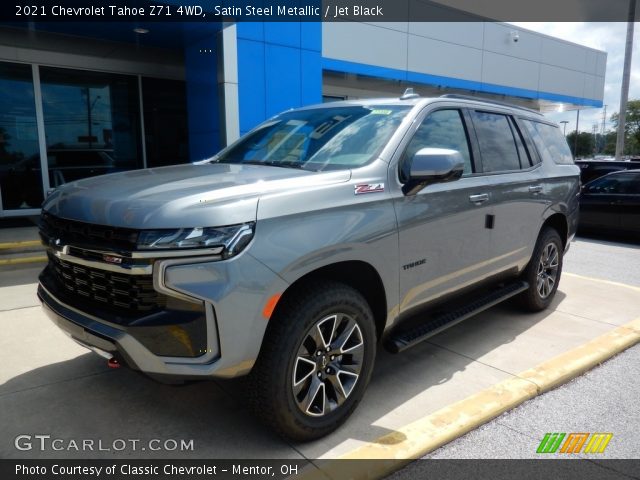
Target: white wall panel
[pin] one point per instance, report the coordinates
(563, 54)
(477, 51)
(591, 62)
(364, 43)
(498, 39)
(442, 58)
(561, 81)
(510, 71)
(469, 34)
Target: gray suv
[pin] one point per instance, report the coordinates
(321, 235)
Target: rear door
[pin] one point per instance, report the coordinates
(515, 186)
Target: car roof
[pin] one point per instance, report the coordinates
(617, 172)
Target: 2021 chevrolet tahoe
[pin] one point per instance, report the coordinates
(321, 235)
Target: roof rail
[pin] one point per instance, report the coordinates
(486, 100)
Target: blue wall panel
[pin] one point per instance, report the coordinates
(282, 70)
(202, 95)
(311, 73)
(282, 33)
(251, 83)
(283, 82)
(250, 30)
(311, 36)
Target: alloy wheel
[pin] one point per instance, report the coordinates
(547, 274)
(328, 364)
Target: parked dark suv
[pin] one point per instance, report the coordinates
(321, 234)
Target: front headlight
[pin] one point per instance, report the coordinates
(228, 241)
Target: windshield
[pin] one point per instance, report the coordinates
(330, 138)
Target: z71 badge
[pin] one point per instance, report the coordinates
(369, 188)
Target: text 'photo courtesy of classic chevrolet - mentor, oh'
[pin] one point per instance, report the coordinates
(323, 234)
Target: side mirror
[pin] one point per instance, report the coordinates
(433, 165)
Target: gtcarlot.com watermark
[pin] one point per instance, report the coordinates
(47, 443)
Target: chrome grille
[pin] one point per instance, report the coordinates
(122, 293)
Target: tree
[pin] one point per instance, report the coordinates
(632, 127)
(610, 143)
(585, 144)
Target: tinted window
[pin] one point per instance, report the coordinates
(441, 129)
(622, 183)
(496, 141)
(525, 160)
(549, 141)
(320, 138)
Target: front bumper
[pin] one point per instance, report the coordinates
(233, 294)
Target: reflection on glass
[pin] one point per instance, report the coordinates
(20, 174)
(165, 121)
(92, 123)
(329, 138)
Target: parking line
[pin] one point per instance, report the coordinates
(424, 435)
(602, 280)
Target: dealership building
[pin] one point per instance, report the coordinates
(81, 99)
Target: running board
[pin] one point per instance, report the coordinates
(404, 339)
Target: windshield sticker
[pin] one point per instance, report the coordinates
(380, 111)
(368, 188)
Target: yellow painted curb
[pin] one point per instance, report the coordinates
(20, 260)
(569, 365)
(22, 244)
(422, 436)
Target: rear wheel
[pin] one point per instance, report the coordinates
(543, 272)
(315, 363)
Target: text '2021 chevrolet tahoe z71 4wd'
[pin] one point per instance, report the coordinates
(321, 234)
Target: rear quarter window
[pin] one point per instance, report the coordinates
(549, 141)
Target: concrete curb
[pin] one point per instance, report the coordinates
(21, 244)
(433, 431)
(21, 260)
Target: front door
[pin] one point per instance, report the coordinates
(443, 239)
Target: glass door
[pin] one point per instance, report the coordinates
(20, 171)
(91, 122)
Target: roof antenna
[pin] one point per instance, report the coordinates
(409, 93)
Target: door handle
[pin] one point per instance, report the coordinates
(535, 188)
(479, 198)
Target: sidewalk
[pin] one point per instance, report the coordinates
(50, 384)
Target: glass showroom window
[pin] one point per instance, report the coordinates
(92, 123)
(20, 172)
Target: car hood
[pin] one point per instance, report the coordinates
(180, 196)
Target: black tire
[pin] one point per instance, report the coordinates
(543, 272)
(280, 385)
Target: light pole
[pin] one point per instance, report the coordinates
(575, 144)
(624, 91)
(564, 126)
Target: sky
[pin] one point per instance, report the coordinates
(609, 37)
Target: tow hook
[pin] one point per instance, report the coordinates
(113, 363)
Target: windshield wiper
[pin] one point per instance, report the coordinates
(299, 166)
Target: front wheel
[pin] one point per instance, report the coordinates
(316, 361)
(543, 272)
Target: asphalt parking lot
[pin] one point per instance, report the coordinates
(51, 386)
